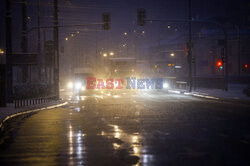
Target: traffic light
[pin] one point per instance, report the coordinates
(244, 67)
(219, 64)
(141, 16)
(106, 20)
(156, 68)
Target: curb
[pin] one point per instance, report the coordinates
(202, 95)
(30, 111)
(195, 94)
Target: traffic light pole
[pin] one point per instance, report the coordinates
(24, 40)
(9, 74)
(190, 47)
(226, 60)
(39, 41)
(56, 59)
(24, 43)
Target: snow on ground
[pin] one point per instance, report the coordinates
(235, 91)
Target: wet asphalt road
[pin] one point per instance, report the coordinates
(125, 129)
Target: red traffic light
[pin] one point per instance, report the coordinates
(219, 63)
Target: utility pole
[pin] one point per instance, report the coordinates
(38, 30)
(56, 41)
(239, 50)
(96, 51)
(24, 39)
(226, 60)
(9, 74)
(190, 45)
(39, 39)
(24, 44)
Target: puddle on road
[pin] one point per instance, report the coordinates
(132, 143)
(75, 147)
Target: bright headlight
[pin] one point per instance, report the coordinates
(70, 85)
(165, 85)
(78, 85)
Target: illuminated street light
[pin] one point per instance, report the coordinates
(111, 53)
(172, 54)
(1, 51)
(105, 54)
(66, 39)
(72, 35)
(78, 32)
(125, 33)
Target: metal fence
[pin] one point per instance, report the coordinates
(19, 103)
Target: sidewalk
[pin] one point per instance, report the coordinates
(235, 91)
(10, 110)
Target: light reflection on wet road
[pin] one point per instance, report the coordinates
(126, 129)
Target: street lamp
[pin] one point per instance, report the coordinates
(111, 53)
(105, 54)
(172, 54)
(1, 51)
(1, 54)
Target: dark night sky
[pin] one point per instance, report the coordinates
(123, 16)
